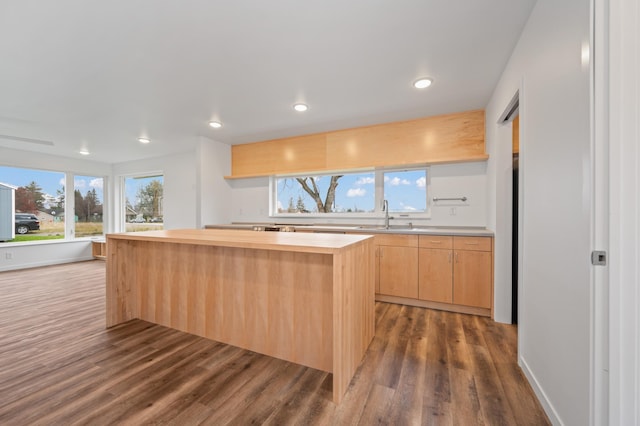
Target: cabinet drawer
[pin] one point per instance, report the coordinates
(397, 240)
(472, 243)
(436, 241)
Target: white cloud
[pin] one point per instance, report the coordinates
(408, 208)
(80, 183)
(365, 180)
(96, 183)
(396, 181)
(422, 182)
(62, 181)
(356, 192)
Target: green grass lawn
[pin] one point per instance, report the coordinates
(55, 231)
(35, 237)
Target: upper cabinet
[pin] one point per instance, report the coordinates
(441, 139)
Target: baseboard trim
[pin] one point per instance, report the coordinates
(547, 406)
(45, 263)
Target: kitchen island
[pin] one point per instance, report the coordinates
(304, 298)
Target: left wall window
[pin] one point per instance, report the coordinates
(88, 197)
(39, 203)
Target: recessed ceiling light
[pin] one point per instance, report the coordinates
(143, 140)
(84, 151)
(300, 107)
(215, 124)
(422, 83)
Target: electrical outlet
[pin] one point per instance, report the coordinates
(452, 211)
(8, 255)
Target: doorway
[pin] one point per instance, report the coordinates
(515, 214)
(511, 116)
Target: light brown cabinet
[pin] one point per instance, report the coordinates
(99, 249)
(456, 270)
(438, 139)
(438, 271)
(435, 270)
(398, 265)
(472, 271)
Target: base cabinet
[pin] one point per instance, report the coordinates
(472, 278)
(398, 265)
(439, 271)
(456, 270)
(435, 268)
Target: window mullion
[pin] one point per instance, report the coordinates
(69, 206)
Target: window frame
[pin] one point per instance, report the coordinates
(378, 213)
(105, 211)
(121, 220)
(69, 206)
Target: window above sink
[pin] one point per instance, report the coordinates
(352, 194)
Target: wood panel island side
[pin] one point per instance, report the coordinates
(304, 298)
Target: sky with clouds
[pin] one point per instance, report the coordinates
(50, 182)
(405, 191)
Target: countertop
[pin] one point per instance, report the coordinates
(241, 237)
(468, 231)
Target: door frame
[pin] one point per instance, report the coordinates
(624, 201)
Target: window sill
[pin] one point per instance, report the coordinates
(46, 242)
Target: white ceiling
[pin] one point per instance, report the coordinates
(99, 74)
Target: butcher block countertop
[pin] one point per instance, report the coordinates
(282, 241)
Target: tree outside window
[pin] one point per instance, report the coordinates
(339, 193)
(88, 197)
(144, 203)
(352, 194)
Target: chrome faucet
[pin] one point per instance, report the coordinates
(385, 209)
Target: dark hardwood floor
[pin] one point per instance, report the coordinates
(60, 366)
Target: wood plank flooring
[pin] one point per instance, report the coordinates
(60, 366)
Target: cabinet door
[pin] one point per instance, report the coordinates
(435, 275)
(472, 278)
(399, 271)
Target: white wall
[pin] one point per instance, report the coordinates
(31, 255)
(457, 180)
(180, 186)
(251, 198)
(35, 160)
(213, 191)
(555, 200)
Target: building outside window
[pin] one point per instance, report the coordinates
(143, 203)
(39, 203)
